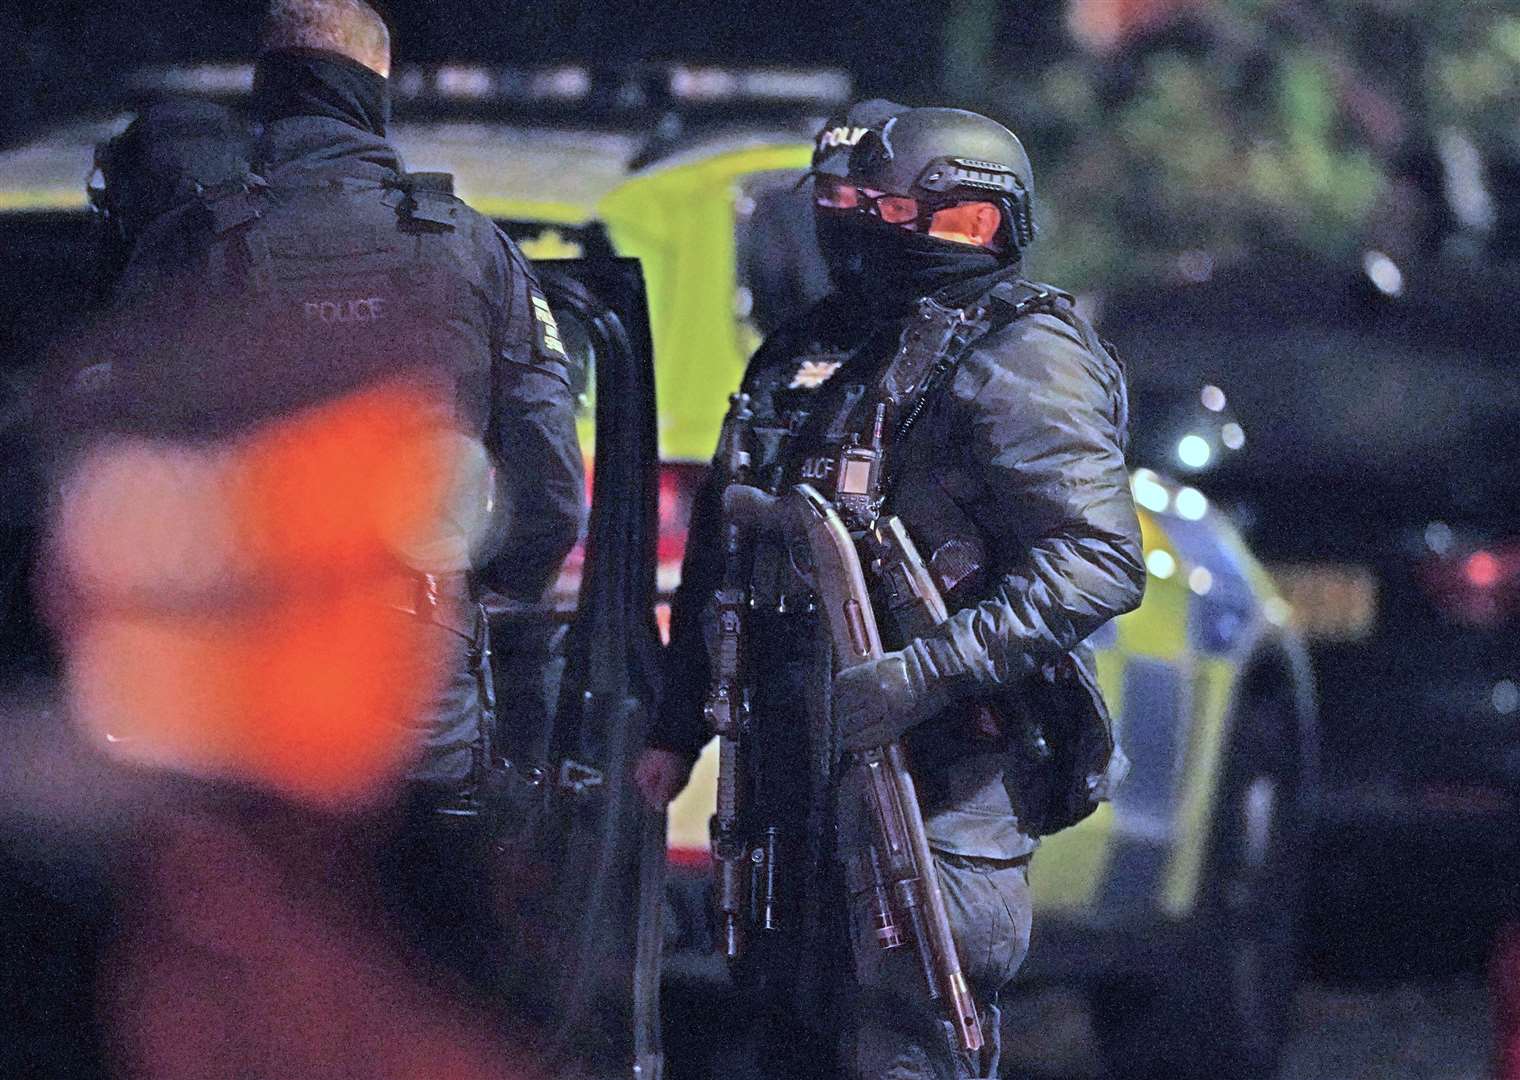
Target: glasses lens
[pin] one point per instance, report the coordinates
(833, 195)
(897, 209)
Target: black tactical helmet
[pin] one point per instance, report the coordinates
(171, 151)
(939, 156)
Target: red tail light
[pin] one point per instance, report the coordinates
(678, 490)
(1476, 587)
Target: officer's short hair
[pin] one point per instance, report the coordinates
(349, 27)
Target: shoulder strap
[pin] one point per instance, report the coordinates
(1004, 305)
(960, 332)
(234, 204)
(1048, 300)
(436, 209)
(420, 197)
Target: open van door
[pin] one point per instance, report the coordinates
(579, 859)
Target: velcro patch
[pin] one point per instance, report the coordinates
(814, 372)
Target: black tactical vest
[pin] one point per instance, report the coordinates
(816, 401)
(333, 284)
(814, 404)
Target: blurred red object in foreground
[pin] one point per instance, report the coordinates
(226, 603)
(1505, 982)
(250, 950)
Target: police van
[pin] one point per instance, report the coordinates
(661, 206)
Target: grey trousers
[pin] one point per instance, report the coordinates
(893, 1030)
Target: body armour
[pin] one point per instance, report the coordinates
(328, 269)
(1025, 402)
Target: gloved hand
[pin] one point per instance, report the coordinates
(877, 702)
(661, 775)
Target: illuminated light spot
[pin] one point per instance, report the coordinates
(1505, 698)
(1192, 504)
(465, 82)
(1439, 537)
(1213, 399)
(1160, 564)
(1150, 492)
(1482, 570)
(1384, 273)
(1201, 581)
(1233, 436)
(1278, 611)
(1194, 451)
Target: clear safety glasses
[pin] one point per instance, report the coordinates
(831, 193)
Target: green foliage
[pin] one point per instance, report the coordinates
(1254, 122)
(1475, 82)
(1194, 159)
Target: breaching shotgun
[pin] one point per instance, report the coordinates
(906, 883)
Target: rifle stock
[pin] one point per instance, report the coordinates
(907, 884)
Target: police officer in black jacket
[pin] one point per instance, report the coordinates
(333, 237)
(1006, 464)
(327, 267)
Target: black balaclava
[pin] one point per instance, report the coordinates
(884, 267)
(309, 82)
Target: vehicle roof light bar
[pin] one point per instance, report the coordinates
(633, 88)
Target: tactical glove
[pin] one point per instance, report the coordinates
(877, 702)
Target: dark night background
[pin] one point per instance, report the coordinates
(59, 54)
(1223, 174)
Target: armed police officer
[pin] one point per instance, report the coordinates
(326, 268)
(936, 388)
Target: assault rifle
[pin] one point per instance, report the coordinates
(905, 882)
(727, 705)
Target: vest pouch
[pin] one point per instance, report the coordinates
(1085, 762)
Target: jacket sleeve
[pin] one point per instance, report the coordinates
(680, 724)
(533, 439)
(1042, 423)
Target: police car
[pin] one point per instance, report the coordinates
(666, 257)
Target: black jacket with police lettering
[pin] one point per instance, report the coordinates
(327, 270)
(372, 276)
(1013, 483)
